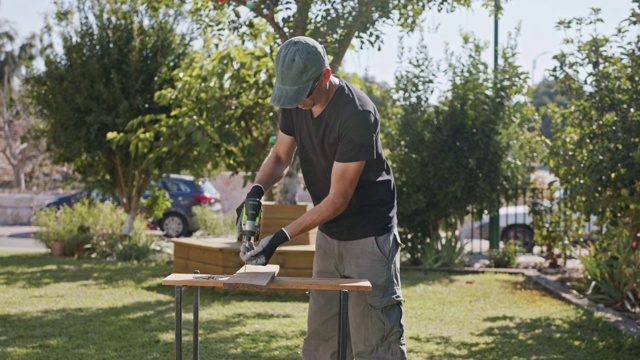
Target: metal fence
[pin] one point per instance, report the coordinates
(516, 220)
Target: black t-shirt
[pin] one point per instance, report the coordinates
(347, 130)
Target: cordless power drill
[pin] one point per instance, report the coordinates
(251, 217)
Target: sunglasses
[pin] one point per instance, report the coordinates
(314, 85)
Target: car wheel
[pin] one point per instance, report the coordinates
(522, 234)
(173, 225)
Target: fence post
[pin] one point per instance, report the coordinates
(494, 227)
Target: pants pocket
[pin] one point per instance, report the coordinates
(386, 327)
(388, 245)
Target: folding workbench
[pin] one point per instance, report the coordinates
(259, 280)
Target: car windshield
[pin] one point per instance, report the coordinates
(208, 188)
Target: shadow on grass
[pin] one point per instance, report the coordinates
(144, 330)
(134, 331)
(411, 278)
(539, 338)
(40, 270)
(236, 336)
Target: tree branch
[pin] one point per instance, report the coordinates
(6, 151)
(269, 17)
(301, 17)
(362, 15)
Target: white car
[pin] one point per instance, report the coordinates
(515, 223)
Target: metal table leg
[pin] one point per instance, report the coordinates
(178, 325)
(196, 321)
(343, 323)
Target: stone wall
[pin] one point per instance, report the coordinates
(17, 209)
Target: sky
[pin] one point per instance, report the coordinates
(537, 43)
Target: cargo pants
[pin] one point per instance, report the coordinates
(376, 327)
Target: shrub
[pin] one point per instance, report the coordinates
(76, 244)
(612, 271)
(56, 225)
(214, 223)
(95, 228)
(555, 225)
(444, 251)
(136, 248)
(155, 204)
(505, 257)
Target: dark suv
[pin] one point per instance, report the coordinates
(186, 192)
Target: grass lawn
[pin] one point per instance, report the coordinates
(84, 309)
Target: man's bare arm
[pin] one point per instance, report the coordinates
(277, 162)
(344, 178)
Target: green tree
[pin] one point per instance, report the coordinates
(337, 24)
(463, 149)
(16, 62)
(334, 23)
(545, 93)
(221, 91)
(97, 93)
(595, 150)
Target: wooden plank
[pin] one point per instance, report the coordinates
(293, 259)
(320, 284)
(277, 283)
(259, 269)
(220, 256)
(252, 278)
(277, 216)
(271, 210)
(184, 266)
(296, 272)
(194, 280)
(249, 281)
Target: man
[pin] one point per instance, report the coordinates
(336, 130)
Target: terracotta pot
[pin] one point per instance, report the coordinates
(57, 248)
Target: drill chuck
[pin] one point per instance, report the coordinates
(251, 219)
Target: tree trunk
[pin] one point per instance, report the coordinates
(131, 215)
(289, 185)
(128, 224)
(18, 173)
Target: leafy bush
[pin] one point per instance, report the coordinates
(57, 225)
(505, 257)
(136, 248)
(95, 228)
(612, 271)
(214, 223)
(439, 167)
(555, 225)
(76, 244)
(156, 203)
(447, 251)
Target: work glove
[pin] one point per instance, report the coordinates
(263, 252)
(256, 192)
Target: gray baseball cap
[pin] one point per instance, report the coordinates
(299, 61)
